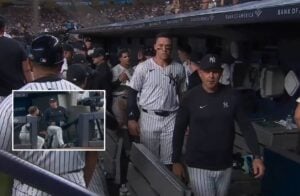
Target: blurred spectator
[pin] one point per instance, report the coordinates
(64, 18)
(77, 74)
(68, 55)
(14, 69)
(122, 74)
(103, 79)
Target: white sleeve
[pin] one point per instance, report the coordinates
(298, 100)
(6, 124)
(115, 73)
(138, 77)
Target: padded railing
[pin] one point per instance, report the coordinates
(148, 176)
(39, 178)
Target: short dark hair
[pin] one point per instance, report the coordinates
(32, 109)
(122, 51)
(2, 22)
(163, 34)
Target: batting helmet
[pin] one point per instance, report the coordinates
(46, 50)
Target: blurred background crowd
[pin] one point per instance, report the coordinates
(32, 16)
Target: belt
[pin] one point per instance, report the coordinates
(158, 113)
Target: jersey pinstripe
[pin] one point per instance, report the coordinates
(60, 163)
(159, 87)
(209, 182)
(159, 90)
(97, 183)
(21, 189)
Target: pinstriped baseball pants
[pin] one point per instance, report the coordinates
(157, 134)
(98, 182)
(20, 189)
(209, 183)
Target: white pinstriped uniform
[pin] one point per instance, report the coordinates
(66, 164)
(98, 182)
(209, 182)
(24, 136)
(158, 88)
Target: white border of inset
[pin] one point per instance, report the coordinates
(57, 149)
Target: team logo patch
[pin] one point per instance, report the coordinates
(225, 104)
(202, 106)
(212, 59)
(174, 80)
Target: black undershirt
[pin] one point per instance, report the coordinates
(211, 117)
(12, 54)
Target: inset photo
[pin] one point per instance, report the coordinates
(59, 120)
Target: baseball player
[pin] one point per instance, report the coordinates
(68, 52)
(55, 116)
(45, 62)
(122, 74)
(24, 135)
(184, 53)
(158, 80)
(211, 110)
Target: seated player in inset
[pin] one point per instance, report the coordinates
(55, 116)
(24, 135)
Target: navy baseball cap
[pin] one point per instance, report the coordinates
(68, 47)
(210, 62)
(98, 52)
(52, 99)
(77, 73)
(46, 50)
(79, 59)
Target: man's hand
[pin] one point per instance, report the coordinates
(258, 168)
(123, 77)
(178, 170)
(134, 128)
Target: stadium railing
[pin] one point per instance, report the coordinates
(39, 178)
(148, 176)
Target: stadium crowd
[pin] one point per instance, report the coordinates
(63, 17)
(22, 19)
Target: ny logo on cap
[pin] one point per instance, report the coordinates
(225, 104)
(212, 59)
(43, 60)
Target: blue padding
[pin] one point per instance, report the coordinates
(282, 176)
(38, 177)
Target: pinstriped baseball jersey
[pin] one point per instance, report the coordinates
(158, 87)
(57, 162)
(21, 189)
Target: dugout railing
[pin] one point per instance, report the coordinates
(39, 178)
